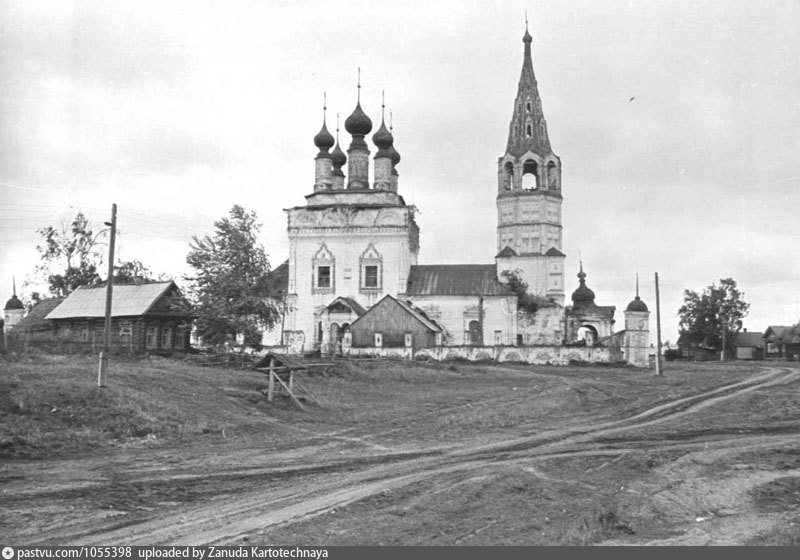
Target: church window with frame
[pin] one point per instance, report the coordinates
(323, 271)
(371, 267)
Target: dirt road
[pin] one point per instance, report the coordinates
(228, 494)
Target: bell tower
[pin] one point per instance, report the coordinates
(529, 231)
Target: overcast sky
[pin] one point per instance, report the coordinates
(178, 110)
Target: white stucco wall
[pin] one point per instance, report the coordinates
(346, 233)
(454, 313)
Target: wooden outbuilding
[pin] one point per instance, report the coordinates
(749, 345)
(394, 323)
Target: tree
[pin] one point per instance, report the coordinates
(69, 255)
(133, 271)
(230, 287)
(714, 313)
(518, 286)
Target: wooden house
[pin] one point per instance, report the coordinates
(392, 323)
(782, 343)
(145, 318)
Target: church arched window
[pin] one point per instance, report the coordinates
(528, 106)
(552, 176)
(508, 176)
(528, 130)
(530, 175)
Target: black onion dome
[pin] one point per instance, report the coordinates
(637, 305)
(395, 155)
(324, 140)
(358, 123)
(337, 156)
(383, 138)
(583, 294)
(13, 304)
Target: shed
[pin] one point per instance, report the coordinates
(749, 345)
(393, 319)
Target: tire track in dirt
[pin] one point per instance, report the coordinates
(229, 521)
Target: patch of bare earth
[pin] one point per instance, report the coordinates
(417, 454)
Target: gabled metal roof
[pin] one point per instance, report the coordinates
(128, 300)
(455, 280)
(754, 339)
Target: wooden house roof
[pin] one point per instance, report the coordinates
(128, 300)
(36, 318)
(776, 332)
(404, 306)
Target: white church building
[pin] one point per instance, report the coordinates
(352, 284)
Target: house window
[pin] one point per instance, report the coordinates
(498, 338)
(378, 340)
(125, 332)
(166, 337)
(323, 276)
(151, 338)
(83, 333)
(180, 338)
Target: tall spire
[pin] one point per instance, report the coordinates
(528, 128)
(637, 304)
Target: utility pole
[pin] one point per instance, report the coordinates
(101, 373)
(722, 355)
(658, 331)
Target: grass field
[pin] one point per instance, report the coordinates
(518, 454)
